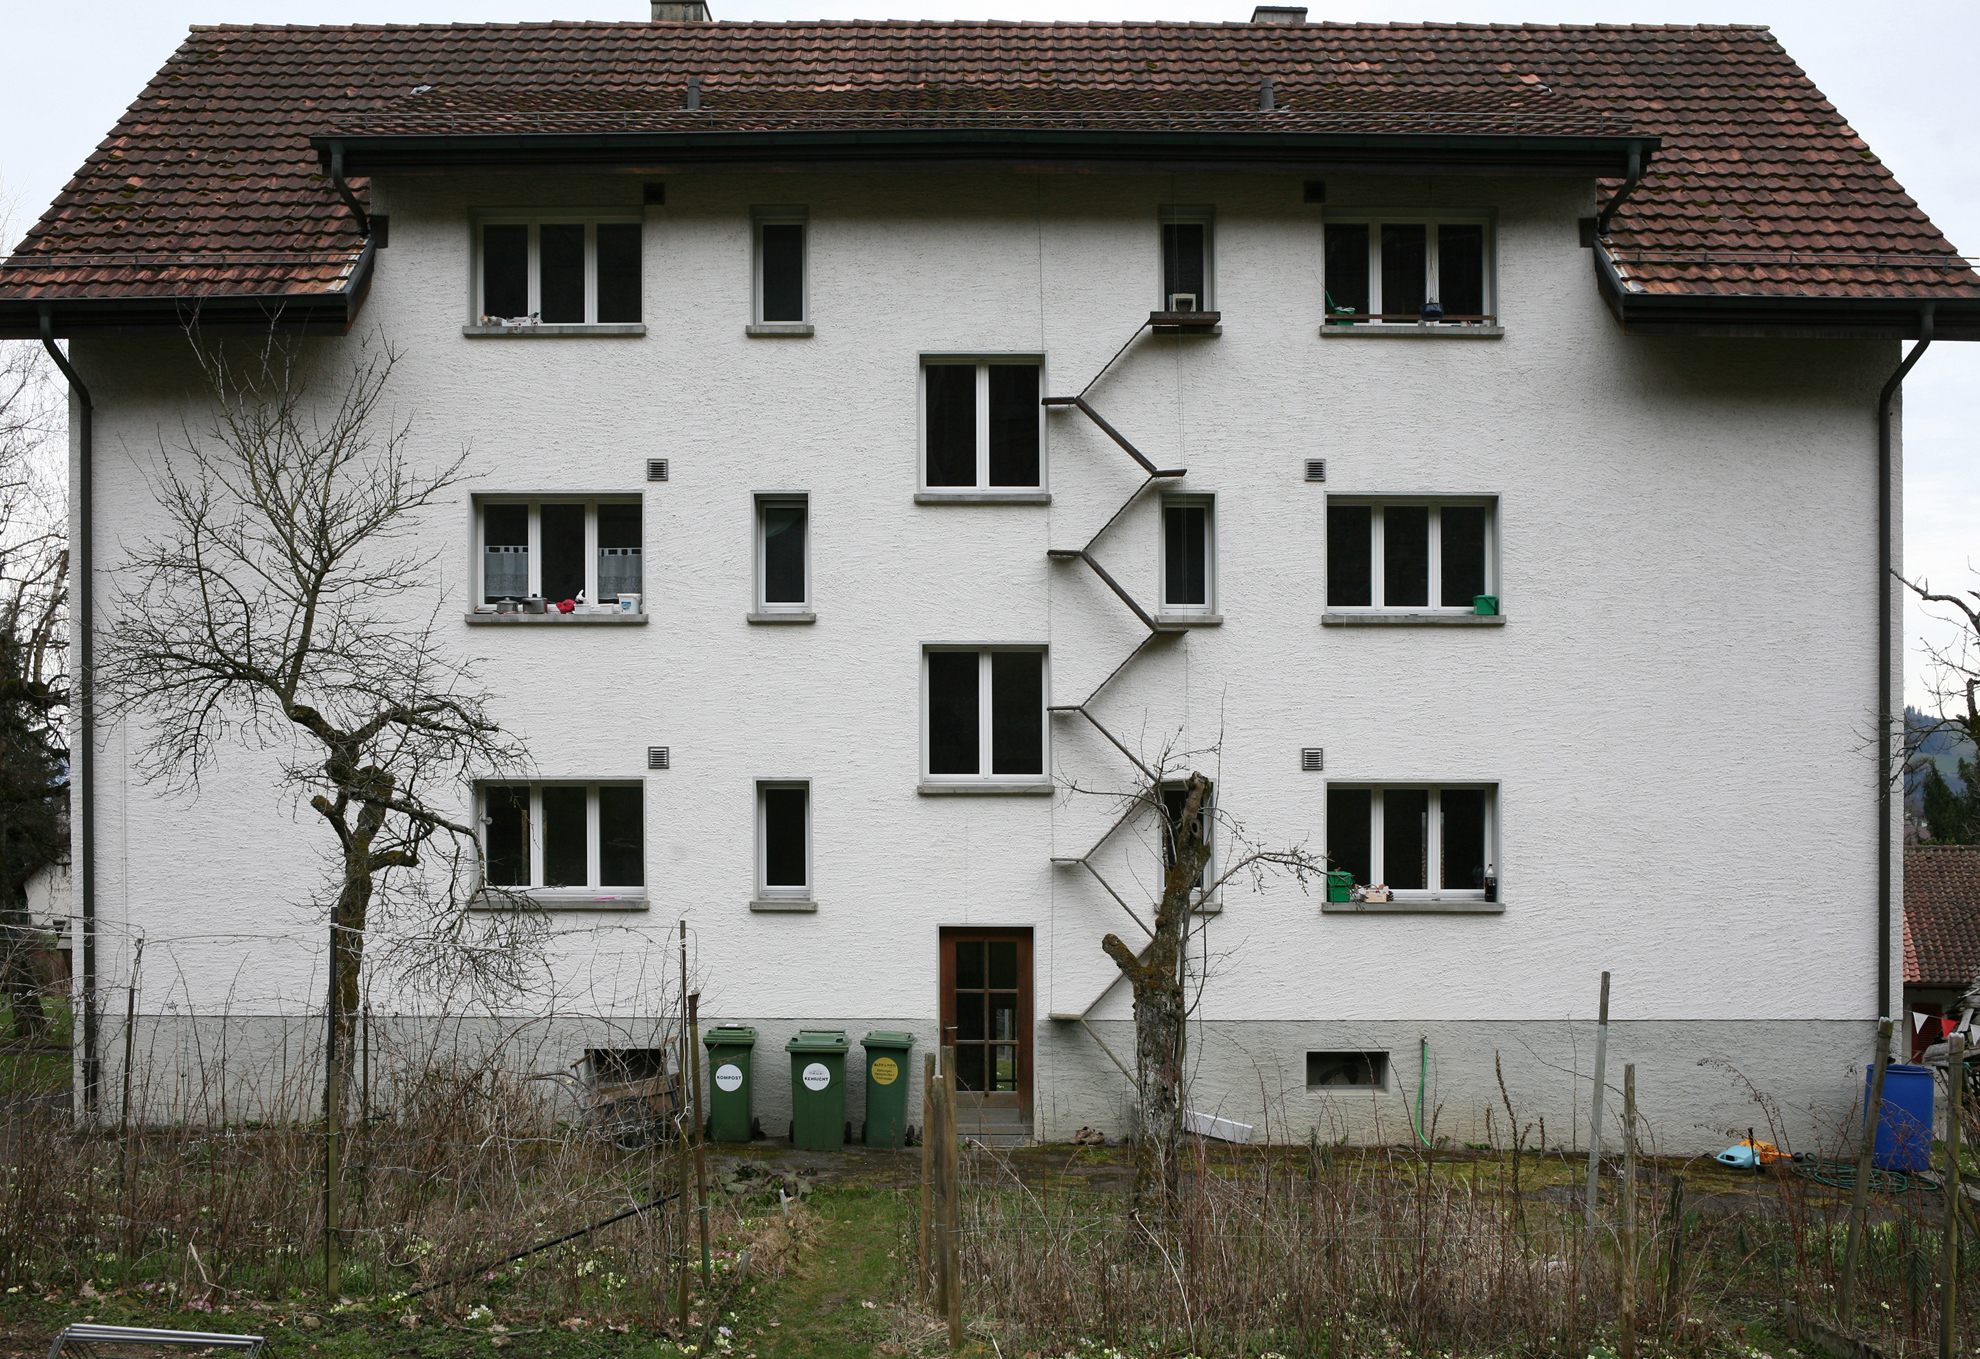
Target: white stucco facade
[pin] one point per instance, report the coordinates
(1675, 713)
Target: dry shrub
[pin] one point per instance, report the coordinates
(1333, 1252)
(461, 1161)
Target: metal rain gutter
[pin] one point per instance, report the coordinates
(367, 154)
(84, 613)
(1886, 588)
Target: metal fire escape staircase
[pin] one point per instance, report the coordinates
(1158, 323)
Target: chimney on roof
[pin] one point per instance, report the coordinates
(1263, 14)
(680, 11)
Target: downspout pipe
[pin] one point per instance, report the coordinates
(1630, 181)
(343, 188)
(1887, 717)
(83, 611)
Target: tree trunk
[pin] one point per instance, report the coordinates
(1158, 1051)
(1155, 976)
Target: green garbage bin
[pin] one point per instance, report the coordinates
(1340, 885)
(818, 1088)
(887, 1086)
(730, 1047)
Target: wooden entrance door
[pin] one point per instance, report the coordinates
(986, 1015)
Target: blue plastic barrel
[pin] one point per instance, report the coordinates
(1904, 1130)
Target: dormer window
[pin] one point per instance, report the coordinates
(1408, 271)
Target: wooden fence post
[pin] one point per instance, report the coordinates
(1949, 1282)
(700, 1138)
(1628, 1253)
(951, 1205)
(1595, 1107)
(1859, 1194)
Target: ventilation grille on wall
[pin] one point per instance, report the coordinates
(1316, 469)
(659, 757)
(656, 469)
(1312, 760)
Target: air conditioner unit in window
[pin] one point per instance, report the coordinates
(1182, 302)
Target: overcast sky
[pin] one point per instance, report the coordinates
(1898, 70)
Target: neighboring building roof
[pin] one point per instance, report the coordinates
(1942, 915)
(209, 184)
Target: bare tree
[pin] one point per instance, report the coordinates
(273, 611)
(34, 680)
(1955, 665)
(1204, 848)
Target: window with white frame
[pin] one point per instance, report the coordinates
(780, 265)
(561, 270)
(1423, 841)
(984, 715)
(576, 838)
(982, 428)
(783, 840)
(1409, 270)
(1175, 801)
(1188, 555)
(1410, 554)
(783, 553)
(1186, 272)
(559, 549)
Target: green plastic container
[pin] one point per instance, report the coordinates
(887, 1086)
(1485, 605)
(818, 1088)
(1340, 885)
(730, 1047)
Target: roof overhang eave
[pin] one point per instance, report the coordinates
(211, 312)
(1449, 153)
(1768, 316)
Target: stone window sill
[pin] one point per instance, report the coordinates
(553, 619)
(620, 329)
(1363, 331)
(1381, 618)
(773, 329)
(794, 616)
(986, 788)
(562, 899)
(1190, 620)
(1416, 907)
(783, 905)
(982, 497)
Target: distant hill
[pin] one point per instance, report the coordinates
(1930, 743)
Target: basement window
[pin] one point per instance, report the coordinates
(1347, 1071)
(780, 282)
(567, 271)
(783, 556)
(565, 842)
(982, 428)
(783, 841)
(1388, 271)
(1410, 555)
(1186, 273)
(581, 550)
(1424, 842)
(984, 718)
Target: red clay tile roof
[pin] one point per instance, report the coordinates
(1942, 915)
(208, 184)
